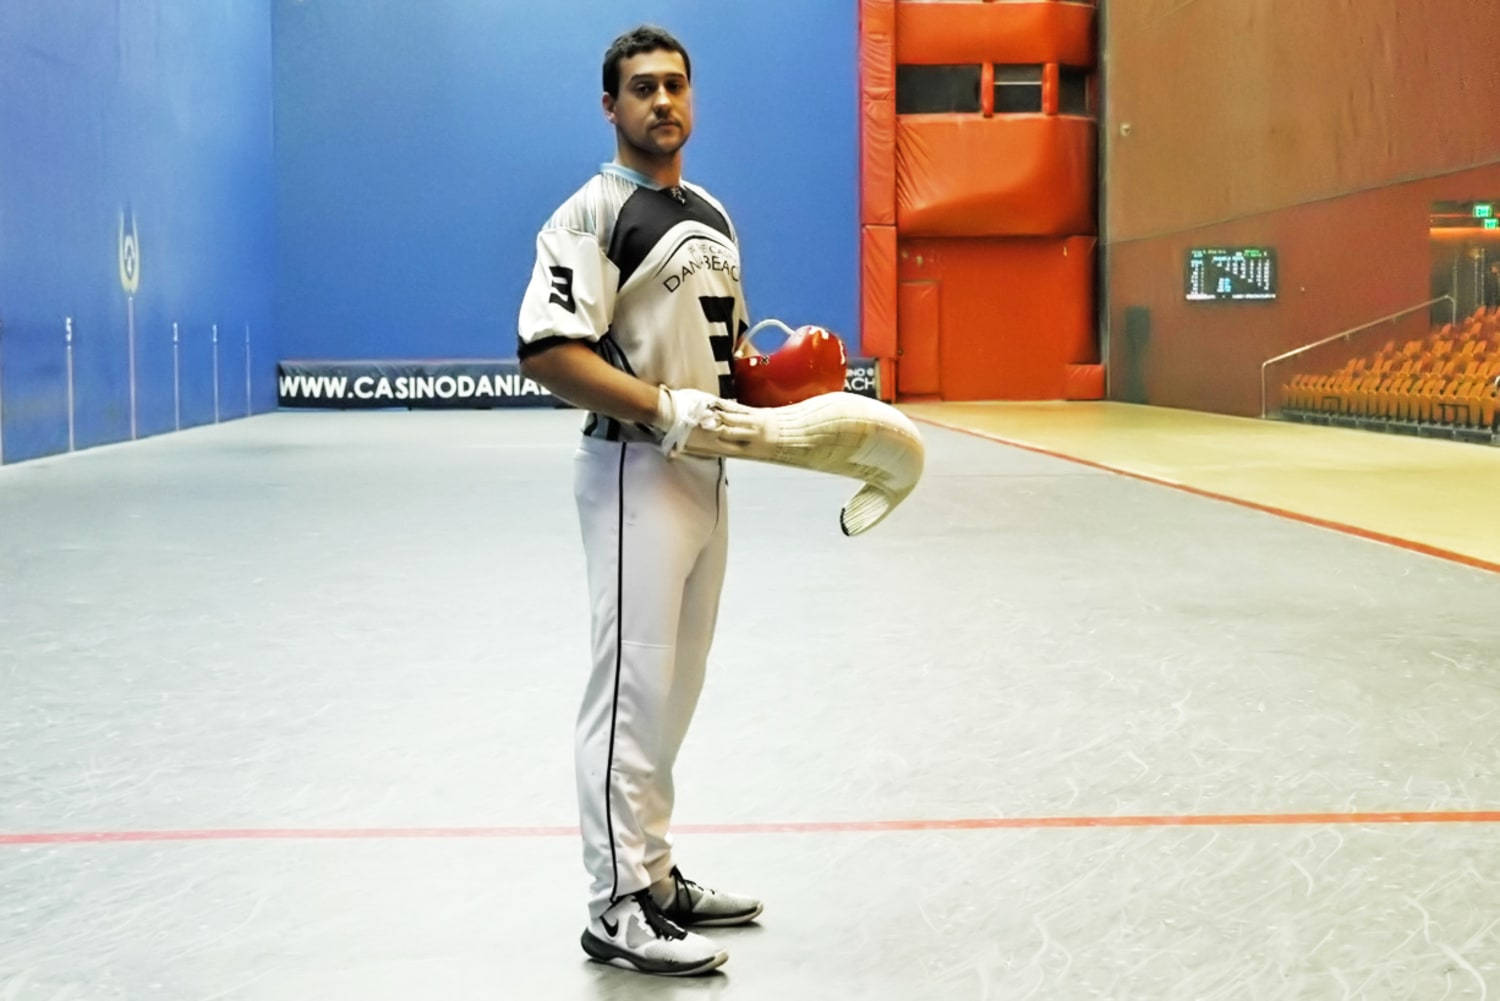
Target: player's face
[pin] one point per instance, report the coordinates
(654, 110)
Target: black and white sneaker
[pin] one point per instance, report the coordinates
(635, 934)
(695, 905)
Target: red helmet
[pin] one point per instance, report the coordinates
(811, 362)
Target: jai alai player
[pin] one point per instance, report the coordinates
(635, 312)
(632, 313)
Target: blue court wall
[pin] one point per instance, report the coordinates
(419, 147)
(152, 117)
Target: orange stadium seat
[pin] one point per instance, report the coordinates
(1451, 377)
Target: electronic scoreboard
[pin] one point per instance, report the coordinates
(1220, 274)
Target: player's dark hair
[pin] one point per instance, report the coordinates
(645, 38)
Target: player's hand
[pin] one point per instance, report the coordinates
(680, 412)
(738, 424)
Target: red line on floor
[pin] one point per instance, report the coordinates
(1308, 519)
(790, 827)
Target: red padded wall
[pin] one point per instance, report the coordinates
(1046, 31)
(878, 299)
(978, 270)
(1018, 175)
(1012, 313)
(877, 201)
(920, 308)
(878, 112)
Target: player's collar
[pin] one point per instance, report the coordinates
(633, 176)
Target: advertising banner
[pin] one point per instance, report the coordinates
(477, 384)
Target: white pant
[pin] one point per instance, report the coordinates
(655, 535)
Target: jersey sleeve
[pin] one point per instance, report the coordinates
(571, 295)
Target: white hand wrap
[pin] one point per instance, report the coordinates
(838, 433)
(679, 412)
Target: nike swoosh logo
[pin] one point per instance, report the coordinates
(612, 929)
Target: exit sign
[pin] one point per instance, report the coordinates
(1492, 224)
(1484, 210)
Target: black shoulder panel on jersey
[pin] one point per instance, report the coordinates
(646, 217)
(525, 349)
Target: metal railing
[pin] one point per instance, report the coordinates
(1346, 334)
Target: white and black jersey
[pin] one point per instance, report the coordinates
(649, 276)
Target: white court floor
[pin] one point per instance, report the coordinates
(289, 702)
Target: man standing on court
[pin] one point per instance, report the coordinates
(633, 313)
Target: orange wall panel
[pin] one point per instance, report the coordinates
(1022, 175)
(1000, 338)
(878, 291)
(877, 155)
(1084, 382)
(920, 330)
(878, 163)
(1051, 89)
(1013, 33)
(877, 48)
